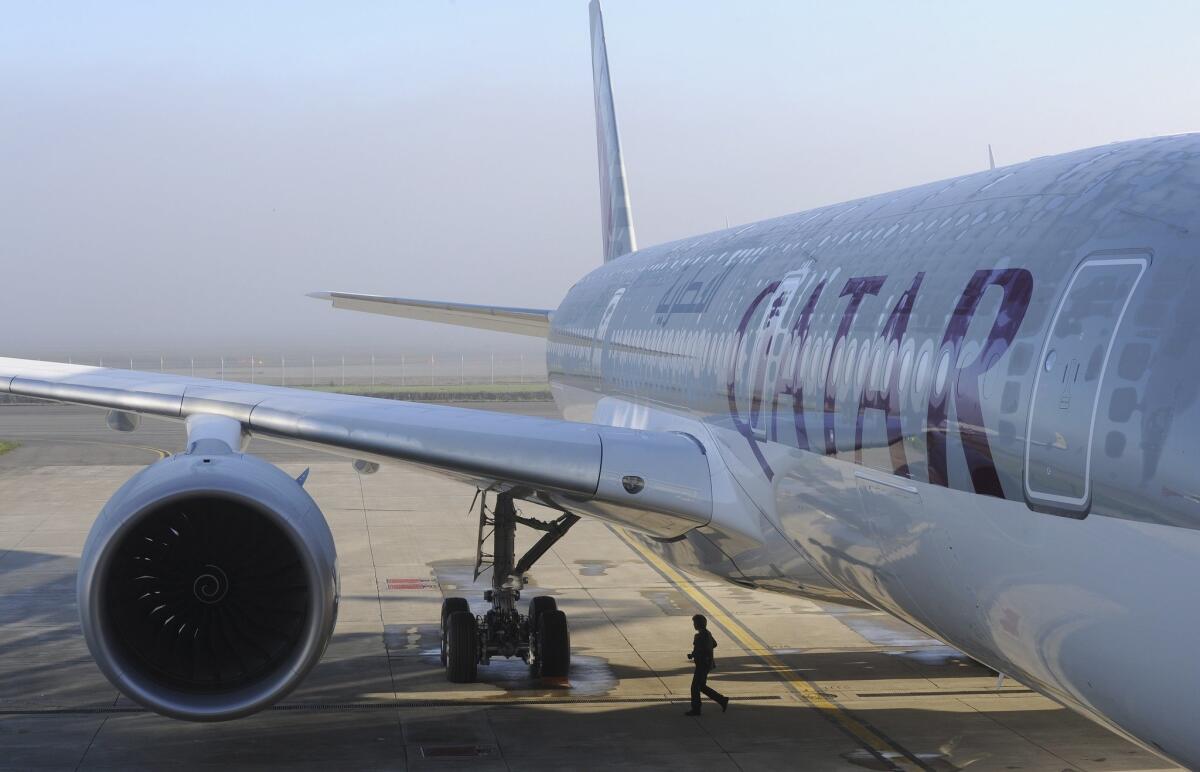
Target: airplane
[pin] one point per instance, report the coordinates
(972, 404)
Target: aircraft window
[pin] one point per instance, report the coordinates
(943, 372)
(961, 220)
(998, 217)
(846, 378)
(921, 380)
(1134, 361)
(1124, 402)
(889, 367)
(1114, 444)
(906, 363)
(1010, 397)
(849, 364)
(835, 368)
(815, 369)
(877, 367)
(979, 218)
(864, 361)
(826, 355)
(842, 369)
(968, 354)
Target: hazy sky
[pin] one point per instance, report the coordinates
(177, 175)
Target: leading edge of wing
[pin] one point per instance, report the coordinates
(521, 321)
(655, 482)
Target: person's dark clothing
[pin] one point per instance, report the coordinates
(702, 655)
(700, 684)
(702, 649)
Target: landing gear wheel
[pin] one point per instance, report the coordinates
(450, 606)
(554, 644)
(462, 647)
(537, 606)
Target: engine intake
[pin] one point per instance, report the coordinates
(208, 585)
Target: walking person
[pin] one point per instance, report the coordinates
(702, 655)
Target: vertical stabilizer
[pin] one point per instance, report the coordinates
(991, 159)
(615, 217)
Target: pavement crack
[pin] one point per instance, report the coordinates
(90, 743)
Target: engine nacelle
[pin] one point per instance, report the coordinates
(208, 585)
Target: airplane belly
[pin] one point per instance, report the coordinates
(1092, 612)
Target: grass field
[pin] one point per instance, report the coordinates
(7, 445)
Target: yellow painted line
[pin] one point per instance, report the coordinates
(871, 739)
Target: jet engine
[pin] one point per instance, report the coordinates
(208, 585)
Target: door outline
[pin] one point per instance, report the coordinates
(1079, 506)
(599, 338)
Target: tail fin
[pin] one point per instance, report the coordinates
(616, 219)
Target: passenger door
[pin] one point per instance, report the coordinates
(1066, 387)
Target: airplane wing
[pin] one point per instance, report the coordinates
(522, 321)
(654, 482)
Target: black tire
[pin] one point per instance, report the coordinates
(554, 644)
(537, 606)
(462, 647)
(450, 606)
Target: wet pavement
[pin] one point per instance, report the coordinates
(804, 676)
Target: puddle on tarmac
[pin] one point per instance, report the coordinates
(939, 655)
(594, 567)
(885, 631)
(588, 677)
(412, 639)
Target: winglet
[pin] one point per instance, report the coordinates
(616, 220)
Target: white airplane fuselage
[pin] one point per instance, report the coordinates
(972, 404)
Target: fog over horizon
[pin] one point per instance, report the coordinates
(176, 177)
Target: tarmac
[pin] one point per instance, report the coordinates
(814, 686)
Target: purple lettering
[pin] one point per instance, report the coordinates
(1017, 284)
(857, 288)
(887, 398)
(799, 336)
(742, 426)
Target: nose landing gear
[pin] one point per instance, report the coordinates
(541, 637)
